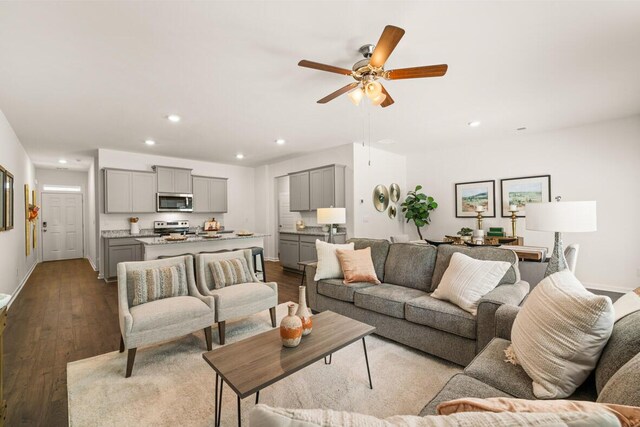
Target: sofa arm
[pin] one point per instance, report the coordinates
(312, 285)
(505, 316)
(489, 304)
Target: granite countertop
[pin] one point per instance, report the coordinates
(121, 234)
(313, 231)
(194, 239)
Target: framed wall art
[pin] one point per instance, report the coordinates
(3, 200)
(8, 200)
(520, 191)
(470, 195)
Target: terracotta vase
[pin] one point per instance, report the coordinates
(291, 328)
(303, 311)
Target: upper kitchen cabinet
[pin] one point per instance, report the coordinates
(317, 188)
(173, 180)
(299, 191)
(209, 194)
(129, 191)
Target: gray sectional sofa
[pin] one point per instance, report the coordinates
(402, 309)
(616, 378)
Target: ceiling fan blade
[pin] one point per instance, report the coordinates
(388, 41)
(339, 92)
(388, 100)
(324, 67)
(417, 72)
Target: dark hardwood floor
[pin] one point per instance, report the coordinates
(64, 313)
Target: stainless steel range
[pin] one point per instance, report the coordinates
(164, 228)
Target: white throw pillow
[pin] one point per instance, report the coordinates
(559, 333)
(328, 263)
(466, 280)
(627, 304)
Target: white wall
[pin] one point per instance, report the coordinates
(373, 166)
(266, 189)
(240, 191)
(91, 250)
(595, 162)
(14, 265)
(48, 176)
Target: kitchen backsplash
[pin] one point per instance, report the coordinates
(121, 221)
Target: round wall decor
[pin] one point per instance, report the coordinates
(394, 192)
(392, 211)
(380, 198)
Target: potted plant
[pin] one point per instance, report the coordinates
(465, 234)
(417, 207)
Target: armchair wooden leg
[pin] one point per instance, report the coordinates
(131, 356)
(207, 337)
(272, 312)
(221, 331)
(121, 344)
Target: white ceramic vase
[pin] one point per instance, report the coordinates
(303, 311)
(135, 228)
(291, 328)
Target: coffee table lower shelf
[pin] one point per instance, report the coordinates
(254, 363)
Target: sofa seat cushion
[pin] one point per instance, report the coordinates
(460, 386)
(244, 299)
(167, 312)
(491, 368)
(334, 288)
(442, 315)
(386, 298)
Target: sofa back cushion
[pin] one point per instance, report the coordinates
(488, 254)
(379, 251)
(410, 265)
(622, 346)
(624, 386)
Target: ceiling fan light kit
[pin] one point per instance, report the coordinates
(367, 71)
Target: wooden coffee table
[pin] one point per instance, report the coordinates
(254, 363)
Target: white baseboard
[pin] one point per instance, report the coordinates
(610, 288)
(93, 265)
(272, 259)
(22, 283)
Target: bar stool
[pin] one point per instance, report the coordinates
(255, 251)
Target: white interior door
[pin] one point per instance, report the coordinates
(62, 226)
(286, 218)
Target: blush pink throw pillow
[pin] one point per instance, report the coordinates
(357, 266)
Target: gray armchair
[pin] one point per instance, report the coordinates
(163, 319)
(238, 300)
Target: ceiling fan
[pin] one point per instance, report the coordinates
(366, 72)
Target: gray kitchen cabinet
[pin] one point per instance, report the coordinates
(299, 191)
(209, 194)
(325, 187)
(289, 254)
(173, 180)
(120, 250)
(143, 192)
(308, 252)
(129, 191)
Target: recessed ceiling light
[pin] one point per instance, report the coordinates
(174, 118)
(474, 124)
(62, 161)
(239, 156)
(150, 142)
(280, 141)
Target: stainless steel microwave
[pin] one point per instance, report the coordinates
(172, 202)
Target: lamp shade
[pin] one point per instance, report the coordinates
(332, 216)
(565, 217)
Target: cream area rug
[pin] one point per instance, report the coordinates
(172, 384)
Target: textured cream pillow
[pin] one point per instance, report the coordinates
(627, 304)
(328, 264)
(466, 280)
(559, 333)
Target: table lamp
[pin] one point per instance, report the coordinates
(559, 217)
(331, 216)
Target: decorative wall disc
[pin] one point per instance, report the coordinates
(394, 192)
(392, 211)
(380, 198)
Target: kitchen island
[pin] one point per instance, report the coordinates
(155, 247)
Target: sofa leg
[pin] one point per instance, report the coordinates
(221, 331)
(121, 344)
(131, 356)
(272, 312)
(207, 337)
